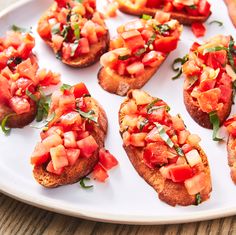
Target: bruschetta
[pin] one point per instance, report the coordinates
(163, 151)
(137, 52)
(20, 80)
(185, 11)
(230, 124)
(75, 31)
(71, 141)
(209, 74)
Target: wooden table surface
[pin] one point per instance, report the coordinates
(19, 218)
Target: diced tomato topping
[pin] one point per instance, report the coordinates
(70, 119)
(181, 173)
(83, 47)
(134, 25)
(19, 105)
(204, 7)
(153, 3)
(80, 90)
(162, 17)
(57, 41)
(133, 39)
(217, 59)
(186, 148)
(138, 139)
(137, 68)
(207, 84)
(50, 168)
(166, 44)
(52, 141)
(72, 155)
(99, 173)
(107, 160)
(87, 146)
(59, 157)
(198, 29)
(40, 155)
(44, 29)
(70, 139)
(4, 89)
(226, 94)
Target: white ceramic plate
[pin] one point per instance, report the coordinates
(125, 197)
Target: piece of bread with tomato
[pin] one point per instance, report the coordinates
(71, 141)
(75, 31)
(230, 125)
(163, 151)
(209, 74)
(20, 80)
(186, 12)
(137, 52)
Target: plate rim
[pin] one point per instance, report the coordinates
(105, 217)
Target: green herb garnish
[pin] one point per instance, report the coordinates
(156, 108)
(179, 69)
(65, 87)
(58, 55)
(149, 106)
(56, 28)
(31, 96)
(43, 106)
(164, 135)
(142, 124)
(216, 22)
(74, 47)
(198, 198)
(179, 151)
(77, 31)
(151, 39)
(214, 119)
(192, 80)
(123, 57)
(140, 51)
(162, 28)
(15, 60)
(65, 31)
(20, 29)
(146, 17)
(212, 49)
(89, 115)
(5, 129)
(82, 183)
(193, 7)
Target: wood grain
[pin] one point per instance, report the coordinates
(19, 218)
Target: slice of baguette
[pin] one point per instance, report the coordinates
(120, 85)
(20, 120)
(83, 166)
(201, 117)
(96, 50)
(168, 191)
(231, 157)
(127, 7)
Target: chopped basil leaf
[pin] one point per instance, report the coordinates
(193, 7)
(140, 52)
(152, 104)
(77, 31)
(74, 47)
(179, 151)
(151, 39)
(123, 57)
(65, 31)
(179, 69)
(192, 80)
(6, 130)
(198, 198)
(142, 124)
(212, 49)
(14, 60)
(56, 28)
(20, 29)
(43, 106)
(80, 1)
(31, 96)
(58, 55)
(164, 135)
(214, 119)
(230, 52)
(82, 183)
(146, 17)
(162, 28)
(88, 115)
(155, 108)
(216, 22)
(65, 87)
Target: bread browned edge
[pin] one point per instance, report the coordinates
(231, 158)
(96, 50)
(202, 118)
(181, 17)
(83, 166)
(18, 120)
(120, 85)
(168, 191)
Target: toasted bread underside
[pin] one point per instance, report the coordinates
(231, 158)
(120, 85)
(20, 120)
(83, 166)
(96, 50)
(125, 7)
(202, 118)
(168, 191)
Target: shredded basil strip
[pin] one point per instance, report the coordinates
(198, 198)
(146, 17)
(74, 47)
(20, 29)
(151, 39)
(179, 69)
(88, 115)
(56, 28)
(82, 183)
(212, 49)
(43, 106)
(140, 52)
(162, 28)
(80, 1)
(156, 108)
(5, 129)
(216, 22)
(58, 55)
(214, 119)
(230, 53)
(123, 57)
(152, 104)
(65, 31)
(65, 87)
(15, 60)
(31, 96)
(142, 124)
(164, 135)
(193, 7)
(77, 31)
(179, 151)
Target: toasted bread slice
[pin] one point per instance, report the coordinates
(120, 85)
(83, 166)
(126, 7)
(168, 191)
(231, 157)
(20, 120)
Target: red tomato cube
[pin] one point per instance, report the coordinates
(87, 146)
(107, 159)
